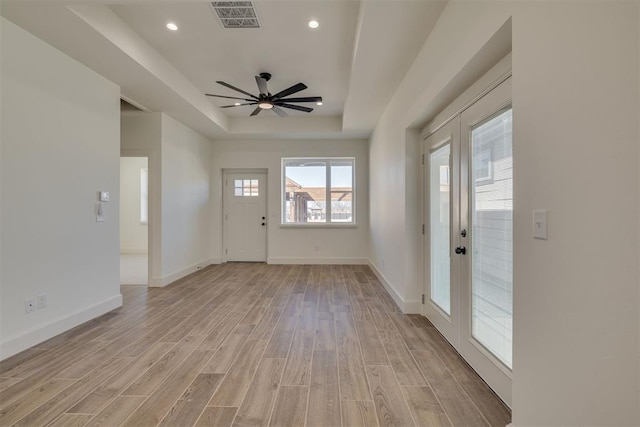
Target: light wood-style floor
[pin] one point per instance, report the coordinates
(248, 345)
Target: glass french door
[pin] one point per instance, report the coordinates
(442, 149)
(472, 304)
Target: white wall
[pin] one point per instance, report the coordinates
(393, 153)
(575, 97)
(287, 245)
(60, 146)
(133, 233)
(576, 154)
(187, 206)
(180, 203)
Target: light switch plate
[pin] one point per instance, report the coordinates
(103, 196)
(100, 212)
(540, 224)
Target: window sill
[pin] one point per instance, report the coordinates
(320, 225)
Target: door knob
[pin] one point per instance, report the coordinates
(461, 250)
(264, 217)
(264, 224)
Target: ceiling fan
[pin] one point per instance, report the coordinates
(266, 101)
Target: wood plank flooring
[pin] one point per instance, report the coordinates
(244, 344)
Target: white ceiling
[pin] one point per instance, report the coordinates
(355, 60)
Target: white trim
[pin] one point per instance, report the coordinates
(317, 260)
(134, 251)
(36, 336)
(156, 282)
(134, 103)
(407, 306)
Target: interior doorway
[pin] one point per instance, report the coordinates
(245, 215)
(134, 220)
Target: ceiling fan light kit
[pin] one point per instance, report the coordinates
(266, 101)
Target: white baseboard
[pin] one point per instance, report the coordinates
(134, 251)
(412, 307)
(317, 260)
(407, 306)
(33, 337)
(159, 282)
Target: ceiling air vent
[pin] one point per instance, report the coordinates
(236, 14)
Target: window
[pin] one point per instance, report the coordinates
(318, 191)
(144, 196)
(246, 188)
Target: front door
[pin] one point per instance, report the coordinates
(245, 216)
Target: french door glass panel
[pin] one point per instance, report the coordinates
(440, 227)
(492, 230)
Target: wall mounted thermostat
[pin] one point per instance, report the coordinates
(103, 196)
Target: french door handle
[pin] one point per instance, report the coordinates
(461, 250)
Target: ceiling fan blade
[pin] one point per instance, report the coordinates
(262, 85)
(238, 105)
(236, 89)
(296, 107)
(307, 99)
(256, 111)
(228, 97)
(279, 111)
(289, 91)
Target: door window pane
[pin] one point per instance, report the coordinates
(440, 227)
(492, 237)
(246, 188)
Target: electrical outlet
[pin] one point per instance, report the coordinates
(42, 301)
(29, 305)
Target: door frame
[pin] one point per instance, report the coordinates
(225, 202)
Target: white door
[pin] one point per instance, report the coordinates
(469, 235)
(245, 216)
(442, 216)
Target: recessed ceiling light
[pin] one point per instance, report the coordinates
(172, 26)
(236, 104)
(313, 24)
(319, 103)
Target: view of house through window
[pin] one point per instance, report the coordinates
(309, 184)
(492, 244)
